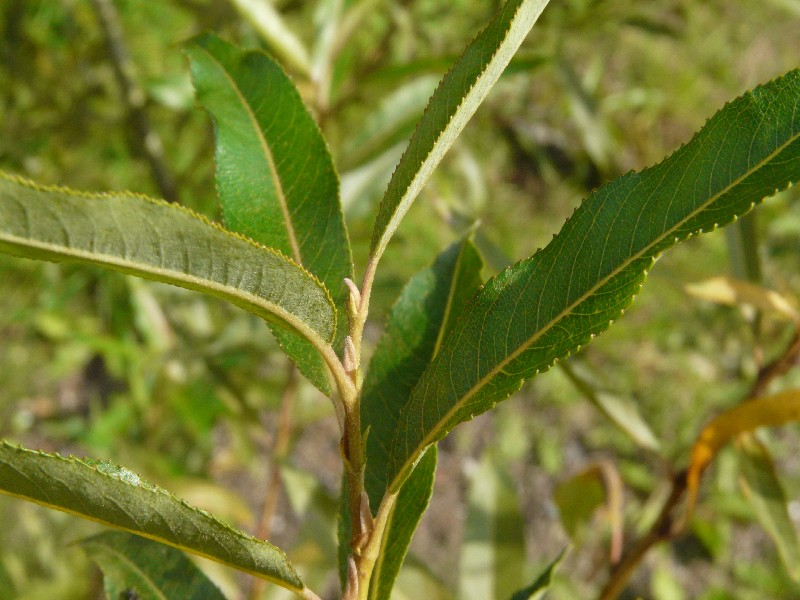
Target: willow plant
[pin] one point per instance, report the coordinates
(454, 345)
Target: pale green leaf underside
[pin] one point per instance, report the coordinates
(552, 303)
(114, 496)
(453, 103)
(163, 242)
(134, 567)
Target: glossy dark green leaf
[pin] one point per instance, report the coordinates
(275, 177)
(115, 496)
(134, 567)
(160, 241)
(453, 103)
(552, 303)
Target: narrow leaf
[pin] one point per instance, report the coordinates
(620, 411)
(538, 589)
(453, 103)
(766, 495)
(134, 567)
(492, 558)
(419, 321)
(411, 503)
(163, 242)
(552, 303)
(115, 496)
(275, 176)
(391, 121)
(420, 318)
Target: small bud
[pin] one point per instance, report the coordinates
(349, 358)
(353, 301)
(355, 294)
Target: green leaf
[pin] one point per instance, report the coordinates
(134, 567)
(411, 503)
(419, 321)
(538, 589)
(451, 106)
(115, 496)
(164, 242)
(275, 177)
(552, 303)
(492, 561)
(766, 496)
(422, 315)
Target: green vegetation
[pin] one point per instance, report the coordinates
(325, 165)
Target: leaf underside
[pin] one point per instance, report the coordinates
(164, 242)
(453, 103)
(552, 303)
(115, 496)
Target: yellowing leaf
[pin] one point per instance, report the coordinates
(769, 411)
(734, 292)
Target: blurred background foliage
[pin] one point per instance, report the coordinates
(192, 393)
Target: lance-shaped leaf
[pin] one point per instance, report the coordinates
(552, 303)
(164, 242)
(134, 567)
(115, 496)
(416, 327)
(453, 103)
(422, 315)
(275, 177)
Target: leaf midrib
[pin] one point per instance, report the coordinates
(281, 196)
(209, 284)
(431, 436)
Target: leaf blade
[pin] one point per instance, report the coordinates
(469, 81)
(575, 287)
(137, 567)
(117, 497)
(420, 318)
(424, 311)
(275, 177)
(163, 242)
